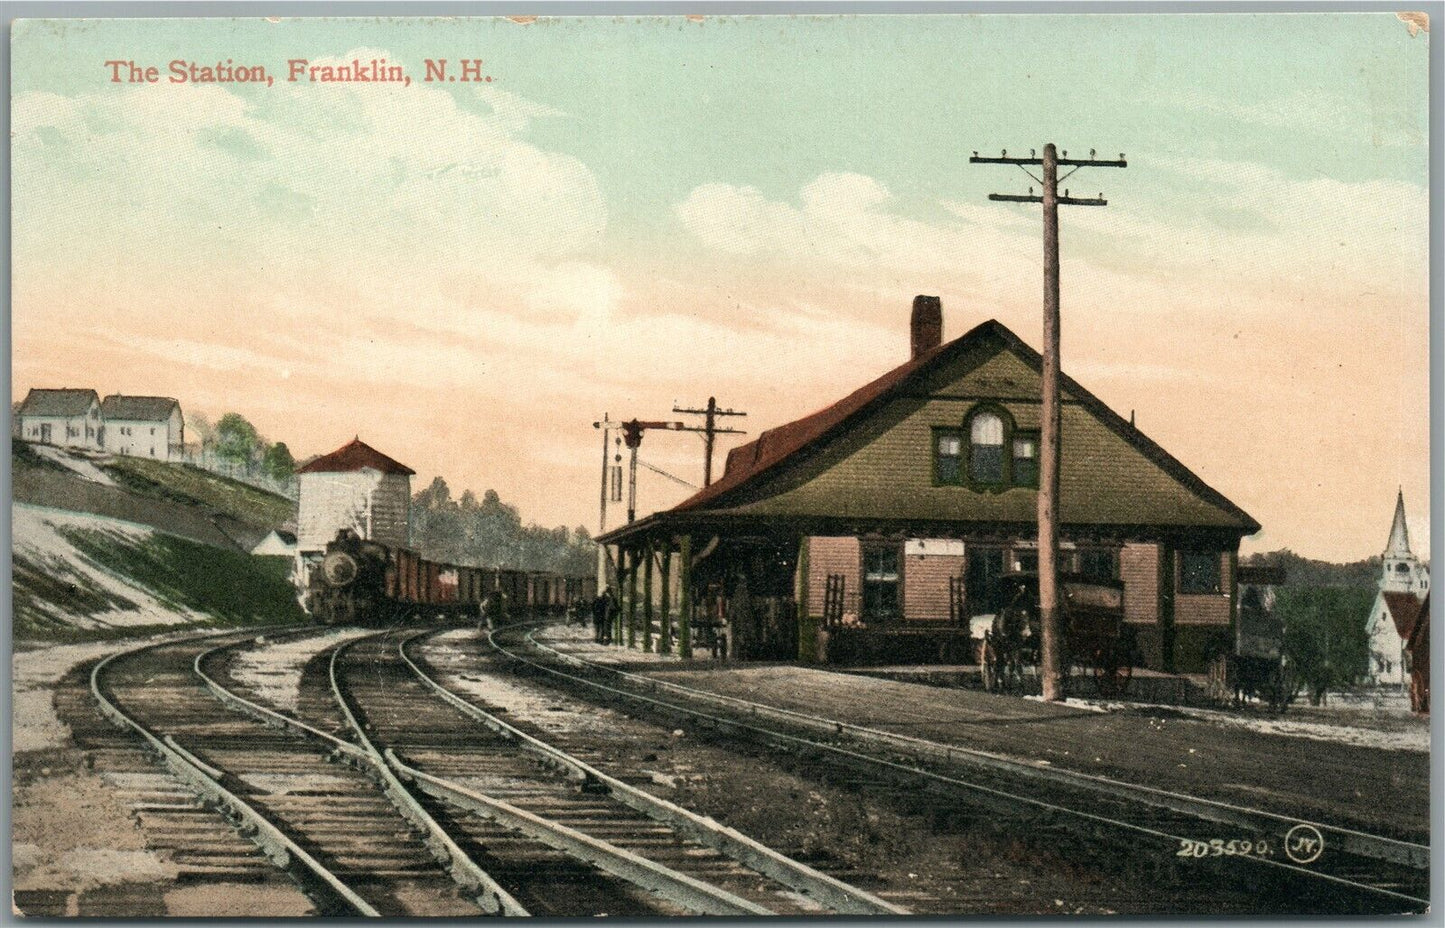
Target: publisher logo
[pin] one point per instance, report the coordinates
(1304, 844)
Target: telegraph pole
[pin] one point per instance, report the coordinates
(710, 431)
(605, 425)
(1050, 651)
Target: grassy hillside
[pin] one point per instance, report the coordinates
(83, 578)
(182, 483)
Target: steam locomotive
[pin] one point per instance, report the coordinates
(362, 582)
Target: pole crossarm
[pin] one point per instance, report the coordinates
(1119, 162)
(709, 430)
(1062, 201)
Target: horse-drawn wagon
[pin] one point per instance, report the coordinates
(1096, 641)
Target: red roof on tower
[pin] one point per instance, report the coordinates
(356, 455)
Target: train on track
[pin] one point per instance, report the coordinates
(363, 582)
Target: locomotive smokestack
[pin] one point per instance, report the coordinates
(926, 327)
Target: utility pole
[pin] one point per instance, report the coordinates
(710, 431)
(606, 426)
(1050, 651)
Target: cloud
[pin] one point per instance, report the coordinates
(842, 219)
(297, 175)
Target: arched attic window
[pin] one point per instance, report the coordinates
(987, 431)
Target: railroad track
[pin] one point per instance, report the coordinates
(588, 843)
(1370, 872)
(324, 823)
(205, 852)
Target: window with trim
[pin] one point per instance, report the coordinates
(1199, 572)
(1025, 459)
(985, 450)
(881, 573)
(947, 456)
(1099, 563)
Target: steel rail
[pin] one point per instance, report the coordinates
(828, 891)
(493, 898)
(698, 896)
(951, 753)
(1359, 843)
(695, 895)
(204, 781)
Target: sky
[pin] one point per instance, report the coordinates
(640, 212)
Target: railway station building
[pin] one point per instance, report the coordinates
(875, 529)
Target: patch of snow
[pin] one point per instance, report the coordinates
(285, 784)
(1396, 737)
(457, 672)
(575, 639)
(34, 726)
(273, 672)
(79, 465)
(1088, 705)
(38, 538)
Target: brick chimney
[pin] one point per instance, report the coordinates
(926, 327)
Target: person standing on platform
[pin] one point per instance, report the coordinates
(599, 617)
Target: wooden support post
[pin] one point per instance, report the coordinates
(684, 611)
(622, 574)
(664, 644)
(632, 601)
(647, 600)
(807, 630)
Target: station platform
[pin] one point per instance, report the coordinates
(1359, 779)
(1148, 686)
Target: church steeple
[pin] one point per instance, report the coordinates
(1401, 571)
(1399, 544)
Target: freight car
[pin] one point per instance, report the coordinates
(361, 582)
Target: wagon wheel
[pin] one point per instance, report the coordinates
(988, 664)
(1011, 672)
(1111, 677)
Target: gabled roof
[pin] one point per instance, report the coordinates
(355, 455)
(748, 463)
(1419, 637)
(58, 402)
(1404, 610)
(118, 408)
(776, 444)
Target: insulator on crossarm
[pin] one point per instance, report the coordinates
(1091, 154)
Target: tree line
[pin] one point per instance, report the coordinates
(487, 532)
(1324, 607)
(234, 441)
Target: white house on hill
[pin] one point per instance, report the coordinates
(1404, 581)
(64, 418)
(143, 426)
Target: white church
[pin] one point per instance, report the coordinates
(1404, 581)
